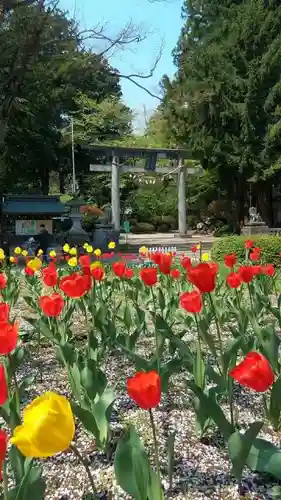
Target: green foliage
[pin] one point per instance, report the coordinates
(270, 247)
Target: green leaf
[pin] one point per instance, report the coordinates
(45, 330)
(154, 492)
(276, 492)
(206, 336)
(274, 408)
(86, 418)
(131, 465)
(212, 409)
(199, 369)
(161, 300)
(16, 460)
(127, 317)
(101, 412)
(239, 446)
(265, 457)
(230, 354)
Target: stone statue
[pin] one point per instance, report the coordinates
(254, 216)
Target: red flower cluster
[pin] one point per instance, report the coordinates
(97, 273)
(186, 262)
(255, 255)
(145, 389)
(203, 276)
(119, 269)
(249, 244)
(246, 273)
(149, 276)
(175, 274)
(52, 305)
(75, 285)
(8, 337)
(254, 372)
(234, 280)
(191, 301)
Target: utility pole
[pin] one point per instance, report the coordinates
(73, 159)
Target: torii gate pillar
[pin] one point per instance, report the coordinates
(115, 193)
(182, 199)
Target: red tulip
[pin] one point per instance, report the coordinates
(4, 311)
(3, 281)
(149, 275)
(119, 269)
(3, 386)
(175, 274)
(268, 270)
(255, 255)
(254, 372)
(256, 269)
(194, 249)
(84, 261)
(203, 276)
(165, 263)
(234, 280)
(50, 275)
(75, 285)
(3, 449)
(129, 273)
(156, 257)
(186, 263)
(145, 389)
(230, 260)
(191, 301)
(28, 271)
(97, 273)
(8, 337)
(52, 305)
(249, 244)
(246, 273)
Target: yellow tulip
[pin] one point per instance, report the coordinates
(143, 250)
(96, 264)
(72, 262)
(48, 427)
(85, 245)
(2, 254)
(198, 246)
(66, 248)
(73, 251)
(53, 253)
(35, 264)
(24, 253)
(17, 250)
(12, 260)
(97, 252)
(205, 257)
(89, 249)
(112, 245)
(40, 252)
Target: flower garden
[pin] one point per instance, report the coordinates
(151, 383)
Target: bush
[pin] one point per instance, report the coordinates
(224, 230)
(270, 246)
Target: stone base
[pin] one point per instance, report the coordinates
(255, 228)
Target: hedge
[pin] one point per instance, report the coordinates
(270, 247)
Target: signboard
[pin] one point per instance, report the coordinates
(32, 227)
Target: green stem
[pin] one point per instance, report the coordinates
(156, 450)
(230, 402)
(156, 334)
(5, 481)
(15, 384)
(85, 465)
(217, 327)
(251, 298)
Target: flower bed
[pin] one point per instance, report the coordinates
(156, 383)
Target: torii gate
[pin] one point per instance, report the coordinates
(177, 156)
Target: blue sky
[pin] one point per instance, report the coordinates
(160, 19)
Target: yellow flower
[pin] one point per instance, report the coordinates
(40, 252)
(198, 246)
(85, 245)
(97, 252)
(72, 262)
(2, 254)
(53, 254)
(89, 249)
(17, 250)
(66, 247)
(35, 264)
(143, 250)
(112, 245)
(48, 427)
(96, 264)
(24, 253)
(73, 251)
(205, 257)
(12, 260)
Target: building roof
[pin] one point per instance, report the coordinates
(32, 205)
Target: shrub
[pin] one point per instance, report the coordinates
(270, 246)
(223, 230)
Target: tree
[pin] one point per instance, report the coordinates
(224, 101)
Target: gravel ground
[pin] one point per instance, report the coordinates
(202, 469)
